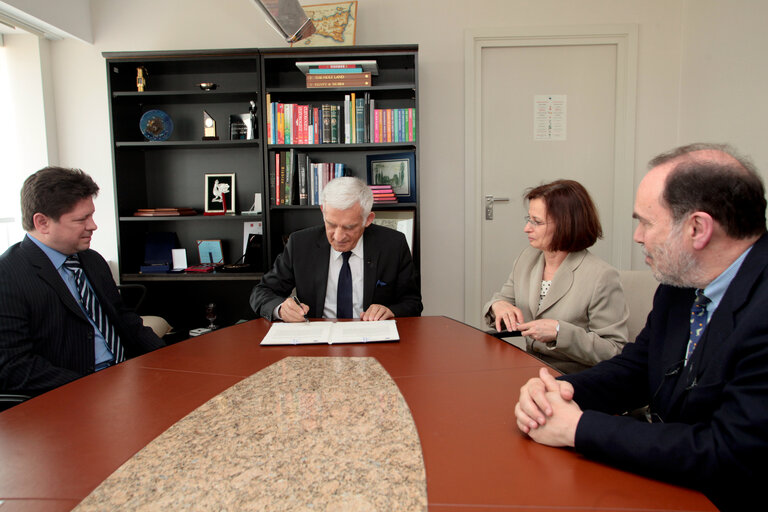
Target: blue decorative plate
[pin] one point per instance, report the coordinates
(156, 125)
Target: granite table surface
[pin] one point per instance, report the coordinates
(304, 434)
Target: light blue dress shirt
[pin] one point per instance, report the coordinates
(101, 351)
(717, 288)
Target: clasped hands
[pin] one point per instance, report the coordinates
(292, 312)
(510, 318)
(546, 410)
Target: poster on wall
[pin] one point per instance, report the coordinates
(550, 117)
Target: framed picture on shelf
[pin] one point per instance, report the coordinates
(397, 170)
(399, 220)
(219, 194)
(210, 252)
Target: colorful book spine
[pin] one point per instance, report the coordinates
(270, 121)
(343, 69)
(280, 123)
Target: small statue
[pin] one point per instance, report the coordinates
(141, 78)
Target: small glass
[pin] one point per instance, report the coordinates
(210, 315)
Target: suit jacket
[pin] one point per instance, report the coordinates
(45, 338)
(586, 298)
(712, 414)
(388, 273)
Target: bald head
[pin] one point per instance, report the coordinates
(714, 179)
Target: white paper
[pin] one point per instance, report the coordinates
(179, 259)
(306, 333)
(550, 116)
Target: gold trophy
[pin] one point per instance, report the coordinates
(141, 78)
(209, 127)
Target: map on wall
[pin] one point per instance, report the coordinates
(334, 24)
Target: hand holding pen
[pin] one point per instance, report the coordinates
(292, 310)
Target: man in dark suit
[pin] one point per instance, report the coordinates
(701, 364)
(380, 280)
(52, 330)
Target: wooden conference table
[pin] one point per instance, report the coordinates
(460, 384)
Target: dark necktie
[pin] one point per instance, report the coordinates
(344, 291)
(698, 322)
(92, 306)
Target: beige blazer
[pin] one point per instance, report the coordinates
(586, 298)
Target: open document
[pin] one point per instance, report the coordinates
(307, 333)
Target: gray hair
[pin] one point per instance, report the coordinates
(344, 193)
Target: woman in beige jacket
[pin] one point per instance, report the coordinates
(567, 302)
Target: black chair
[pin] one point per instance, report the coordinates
(8, 400)
(132, 295)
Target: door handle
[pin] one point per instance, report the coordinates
(489, 200)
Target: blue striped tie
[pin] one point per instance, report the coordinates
(92, 306)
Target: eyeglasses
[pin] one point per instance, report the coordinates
(533, 222)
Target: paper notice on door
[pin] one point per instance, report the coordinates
(550, 116)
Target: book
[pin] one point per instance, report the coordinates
(328, 84)
(352, 120)
(281, 179)
(326, 122)
(334, 138)
(313, 333)
(270, 121)
(346, 68)
(164, 212)
(360, 120)
(339, 80)
(273, 180)
(303, 161)
(356, 77)
(347, 121)
(369, 66)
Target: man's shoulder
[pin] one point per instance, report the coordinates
(13, 256)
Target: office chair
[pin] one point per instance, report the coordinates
(133, 295)
(8, 400)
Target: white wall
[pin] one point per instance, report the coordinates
(705, 97)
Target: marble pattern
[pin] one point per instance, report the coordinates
(304, 434)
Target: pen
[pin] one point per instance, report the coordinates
(298, 303)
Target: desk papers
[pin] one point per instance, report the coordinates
(331, 332)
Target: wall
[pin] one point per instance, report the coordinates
(670, 31)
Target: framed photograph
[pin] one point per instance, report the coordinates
(220, 194)
(210, 252)
(399, 220)
(397, 170)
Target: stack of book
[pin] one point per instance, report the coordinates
(164, 212)
(383, 194)
(352, 73)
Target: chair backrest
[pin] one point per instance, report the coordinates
(639, 288)
(8, 400)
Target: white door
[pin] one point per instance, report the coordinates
(516, 151)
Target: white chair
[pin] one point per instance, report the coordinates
(639, 288)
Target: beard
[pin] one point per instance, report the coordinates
(671, 264)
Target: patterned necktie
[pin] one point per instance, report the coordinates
(344, 290)
(698, 322)
(92, 306)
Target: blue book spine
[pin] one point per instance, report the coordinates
(324, 71)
